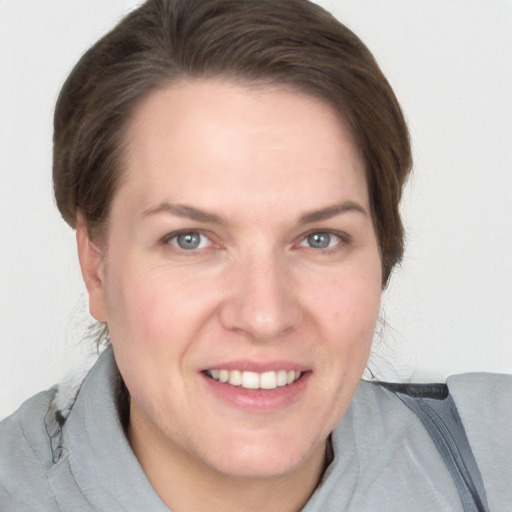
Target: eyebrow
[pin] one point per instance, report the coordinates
(331, 211)
(198, 215)
(185, 211)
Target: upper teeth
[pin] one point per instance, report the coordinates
(254, 380)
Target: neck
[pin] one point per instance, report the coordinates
(187, 484)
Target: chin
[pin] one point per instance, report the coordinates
(265, 458)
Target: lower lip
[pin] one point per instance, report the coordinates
(258, 399)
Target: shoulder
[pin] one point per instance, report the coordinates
(31, 442)
(25, 453)
(484, 402)
(494, 387)
(384, 459)
(25, 429)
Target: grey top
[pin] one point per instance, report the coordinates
(384, 459)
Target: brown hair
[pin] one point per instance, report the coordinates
(290, 42)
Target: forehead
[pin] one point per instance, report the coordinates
(223, 139)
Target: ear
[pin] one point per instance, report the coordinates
(92, 265)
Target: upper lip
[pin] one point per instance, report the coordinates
(258, 366)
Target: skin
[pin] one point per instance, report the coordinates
(258, 161)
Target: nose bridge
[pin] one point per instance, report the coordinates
(263, 304)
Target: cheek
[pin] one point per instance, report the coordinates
(133, 298)
(346, 309)
(348, 302)
(148, 305)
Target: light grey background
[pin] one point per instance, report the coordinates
(449, 308)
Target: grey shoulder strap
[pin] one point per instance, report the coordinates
(438, 413)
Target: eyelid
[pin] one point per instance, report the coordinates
(167, 239)
(344, 239)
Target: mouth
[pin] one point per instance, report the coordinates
(254, 380)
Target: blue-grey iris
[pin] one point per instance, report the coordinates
(188, 240)
(319, 240)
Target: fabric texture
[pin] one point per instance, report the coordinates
(76, 457)
(441, 419)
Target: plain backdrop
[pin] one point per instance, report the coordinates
(448, 309)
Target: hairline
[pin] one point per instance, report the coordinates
(99, 230)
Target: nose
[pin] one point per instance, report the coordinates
(262, 301)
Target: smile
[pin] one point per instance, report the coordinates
(255, 380)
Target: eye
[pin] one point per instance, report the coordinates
(190, 241)
(321, 240)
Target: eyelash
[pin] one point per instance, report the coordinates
(344, 239)
(167, 240)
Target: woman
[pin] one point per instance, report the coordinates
(233, 171)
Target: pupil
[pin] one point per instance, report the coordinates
(189, 240)
(319, 240)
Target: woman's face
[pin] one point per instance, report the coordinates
(240, 247)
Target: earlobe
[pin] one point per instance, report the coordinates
(92, 264)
